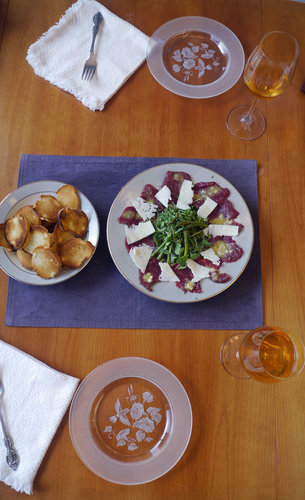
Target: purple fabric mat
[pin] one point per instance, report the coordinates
(99, 297)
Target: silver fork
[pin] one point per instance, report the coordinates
(90, 64)
(11, 454)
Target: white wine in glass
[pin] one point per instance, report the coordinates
(267, 73)
(267, 354)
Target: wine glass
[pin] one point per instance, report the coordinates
(267, 354)
(267, 73)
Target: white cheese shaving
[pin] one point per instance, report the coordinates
(141, 255)
(206, 208)
(167, 274)
(164, 195)
(138, 232)
(209, 254)
(198, 271)
(145, 209)
(185, 195)
(221, 230)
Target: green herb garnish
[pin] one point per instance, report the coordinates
(179, 235)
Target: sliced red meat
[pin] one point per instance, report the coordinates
(186, 276)
(229, 250)
(219, 277)
(151, 275)
(212, 190)
(149, 194)
(207, 263)
(130, 216)
(173, 181)
(226, 209)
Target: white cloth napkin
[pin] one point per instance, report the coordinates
(34, 402)
(60, 54)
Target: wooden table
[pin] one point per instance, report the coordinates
(248, 439)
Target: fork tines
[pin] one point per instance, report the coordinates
(88, 72)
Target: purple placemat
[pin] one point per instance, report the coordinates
(99, 297)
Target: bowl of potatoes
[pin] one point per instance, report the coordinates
(49, 231)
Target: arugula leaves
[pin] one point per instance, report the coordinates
(179, 235)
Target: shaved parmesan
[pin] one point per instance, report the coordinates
(206, 208)
(186, 195)
(209, 254)
(138, 232)
(198, 271)
(141, 255)
(145, 209)
(221, 230)
(167, 274)
(164, 195)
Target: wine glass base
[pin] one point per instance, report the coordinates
(229, 356)
(245, 126)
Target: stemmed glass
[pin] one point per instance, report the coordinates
(268, 72)
(267, 354)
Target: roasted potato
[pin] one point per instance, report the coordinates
(68, 197)
(39, 237)
(30, 214)
(17, 230)
(3, 240)
(46, 263)
(73, 220)
(25, 258)
(75, 251)
(47, 207)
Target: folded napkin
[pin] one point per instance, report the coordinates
(34, 402)
(60, 53)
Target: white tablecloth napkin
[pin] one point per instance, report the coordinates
(60, 53)
(34, 402)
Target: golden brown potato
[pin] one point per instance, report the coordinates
(46, 263)
(74, 252)
(3, 240)
(25, 258)
(47, 207)
(68, 197)
(17, 230)
(39, 237)
(73, 220)
(30, 214)
(61, 236)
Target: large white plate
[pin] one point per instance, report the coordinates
(167, 400)
(225, 39)
(168, 291)
(27, 195)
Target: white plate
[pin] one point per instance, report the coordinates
(168, 291)
(155, 425)
(226, 41)
(27, 195)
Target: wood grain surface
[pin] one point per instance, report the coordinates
(248, 439)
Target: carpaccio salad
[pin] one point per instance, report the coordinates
(182, 233)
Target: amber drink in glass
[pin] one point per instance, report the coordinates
(267, 73)
(267, 354)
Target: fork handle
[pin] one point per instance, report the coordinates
(97, 19)
(12, 458)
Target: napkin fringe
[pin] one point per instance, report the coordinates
(21, 486)
(39, 71)
(69, 13)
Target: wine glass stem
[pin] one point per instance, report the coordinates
(247, 118)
